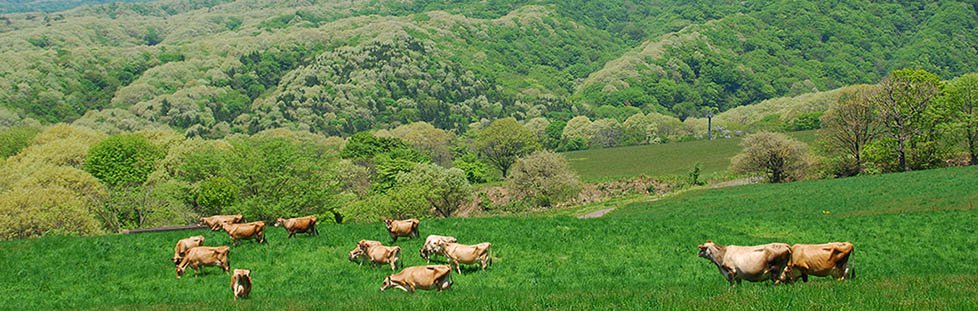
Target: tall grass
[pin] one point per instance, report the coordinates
(914, 235)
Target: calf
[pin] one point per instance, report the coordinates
(204, 256)
(241, 283)
(752, 263)
(298, 225)
(420, 277)
(466, 254)
(246, 231)
(357, 254)
(431, 246)
(184, 245)
(831, 259)
(399, 228)
(377, 254)
(217, 221)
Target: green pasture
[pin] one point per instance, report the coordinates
(915, 236)
(661, 160)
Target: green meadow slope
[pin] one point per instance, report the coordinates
(661, 160)
(914, 235)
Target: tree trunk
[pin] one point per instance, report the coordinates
(901, 150)
(972, 148)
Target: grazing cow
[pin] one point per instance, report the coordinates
(431, 246)
(357, 254)
(298, 225)
(831, 259)
(466, 254)
(184, 245)
(246, 231)
(399, 228)
(377, 253)
(752, 263)
(204, 256)
(420, 277)
(241, 283)
(217, 221)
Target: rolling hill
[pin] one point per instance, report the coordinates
(215, 67)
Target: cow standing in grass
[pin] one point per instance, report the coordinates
(204, 256)
(830, 259)
(246, 231)
(458, 254)
(298, 225)
(377, 253)
(431, 245)
(241, 283)
(184, 245)
(399, 228)
(357, 254)
(752, 263)
(217, 222)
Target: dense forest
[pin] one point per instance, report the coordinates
(213, 67)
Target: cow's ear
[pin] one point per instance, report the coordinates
(709, 241)
(701, 246)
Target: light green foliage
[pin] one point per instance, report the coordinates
(850, 125)
(125, 159)
(503, 141)
(544, 179)
(777, 156)
(910, 114)
(961, 98)
(445, 189)
(424, 137)
(59, 145)
(15, 139)
(606, 133)
(215, 194)
(46, 210)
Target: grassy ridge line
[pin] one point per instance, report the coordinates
(660, 160)
(914, 235)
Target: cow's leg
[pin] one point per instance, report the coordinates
(804, 277)
(458, 267)
(291, 234)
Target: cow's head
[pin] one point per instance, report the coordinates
(180, 271)
(280, 222)
(388, 222)
(706, 249)
(176, 260)
(356, 253)
(388, 283)
(237, 218)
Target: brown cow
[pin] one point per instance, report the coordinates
(217, 221)
(184, 245)
(246, 231)
(420, 277)
(241, 283)
(399, 228)
(831, 259)
(466, 254)
(204, 256)
(298, 225)
(377, 254)
(357, 255)
(431, 246)
(752, 263)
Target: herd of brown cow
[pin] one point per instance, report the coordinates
(191, 252)
(780, 262)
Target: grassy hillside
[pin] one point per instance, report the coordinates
(660, 160)
(913, 233)
(215, 67)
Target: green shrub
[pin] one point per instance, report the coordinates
(544, 179)
(15, 139)
(123, 159)
(214, 194)
(38, 211)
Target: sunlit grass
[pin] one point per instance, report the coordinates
(914, 235)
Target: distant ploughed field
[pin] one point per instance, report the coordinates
(914, 235)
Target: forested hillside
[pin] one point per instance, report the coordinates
(215, 67)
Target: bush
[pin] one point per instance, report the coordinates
(38, 211)
(476, 171)
(805, 122)
(123, 159)
(15, 139)
(214, 194)
(445, 189)
(779, 157)
(544, 178)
